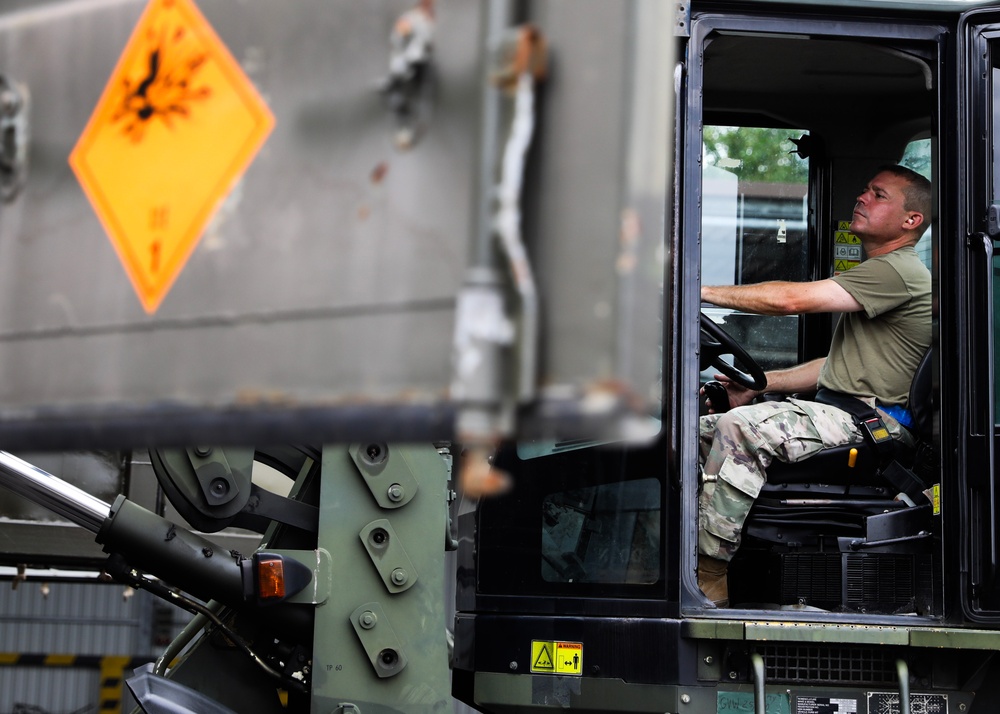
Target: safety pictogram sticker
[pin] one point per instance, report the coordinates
(846, 248)
(177, 125)
(549, 657)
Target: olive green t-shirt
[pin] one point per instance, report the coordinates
(875, 351)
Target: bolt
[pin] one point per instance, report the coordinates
(368, 619)
(375, 454)
(399, 576)
(732, 675)
(513, 666)
(685, 699)
(961, 706)
(203, 451)
(379, 536)
(396, 493)
(207, 552)
(219, 487)
(709, 660)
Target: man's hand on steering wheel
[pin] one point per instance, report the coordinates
(738, 394)
(740, 386)
(715, 343)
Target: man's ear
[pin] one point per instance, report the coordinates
(913, 221)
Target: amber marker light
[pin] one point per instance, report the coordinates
(270, 578)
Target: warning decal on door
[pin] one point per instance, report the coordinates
(548, 657)
(175, 128)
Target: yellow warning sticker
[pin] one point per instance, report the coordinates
(551, 657)
(880, 434)
(843, 225)
(177, 125)
(936, 498)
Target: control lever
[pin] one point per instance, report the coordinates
(718, 396)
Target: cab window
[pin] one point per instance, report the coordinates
(755, 218)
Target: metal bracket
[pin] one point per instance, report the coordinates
(14, 103)
(215, 476)
(386, 474)
(388, 555)
(682, 18)
(207, 486)
(321, 564)
(379, 639)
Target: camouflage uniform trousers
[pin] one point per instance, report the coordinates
(739, 445)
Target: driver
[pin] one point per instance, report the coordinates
(877, 345)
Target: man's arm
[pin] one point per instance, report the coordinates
(782, 297)
(800, 378)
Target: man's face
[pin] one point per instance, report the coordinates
(879, 213)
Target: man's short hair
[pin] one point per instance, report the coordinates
(916, 195)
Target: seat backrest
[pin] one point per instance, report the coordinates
(921, 402)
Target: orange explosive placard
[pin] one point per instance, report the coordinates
(177, 125)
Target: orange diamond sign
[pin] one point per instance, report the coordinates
(176, 126)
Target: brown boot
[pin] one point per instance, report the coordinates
(712, 579)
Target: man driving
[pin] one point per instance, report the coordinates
(882, 335)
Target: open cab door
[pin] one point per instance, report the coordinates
(976, 292)
(789, 115)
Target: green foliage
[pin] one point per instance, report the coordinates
(760, 155)
(918, 157)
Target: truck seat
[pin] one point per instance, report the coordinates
(823, 496)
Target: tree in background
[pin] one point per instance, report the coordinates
(760, 155)
(918, 157)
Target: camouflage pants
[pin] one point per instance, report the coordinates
(738, 446)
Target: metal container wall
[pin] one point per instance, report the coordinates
(321, 300)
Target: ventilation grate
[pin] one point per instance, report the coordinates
(814, 579)
(829, 665)
(862, 582)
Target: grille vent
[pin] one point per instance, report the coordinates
(830, 665)
(864, 582)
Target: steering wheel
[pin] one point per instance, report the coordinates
(715, 343)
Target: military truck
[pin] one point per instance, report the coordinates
(866, 582)
(578, 587)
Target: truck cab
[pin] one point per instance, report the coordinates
(578, 587)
